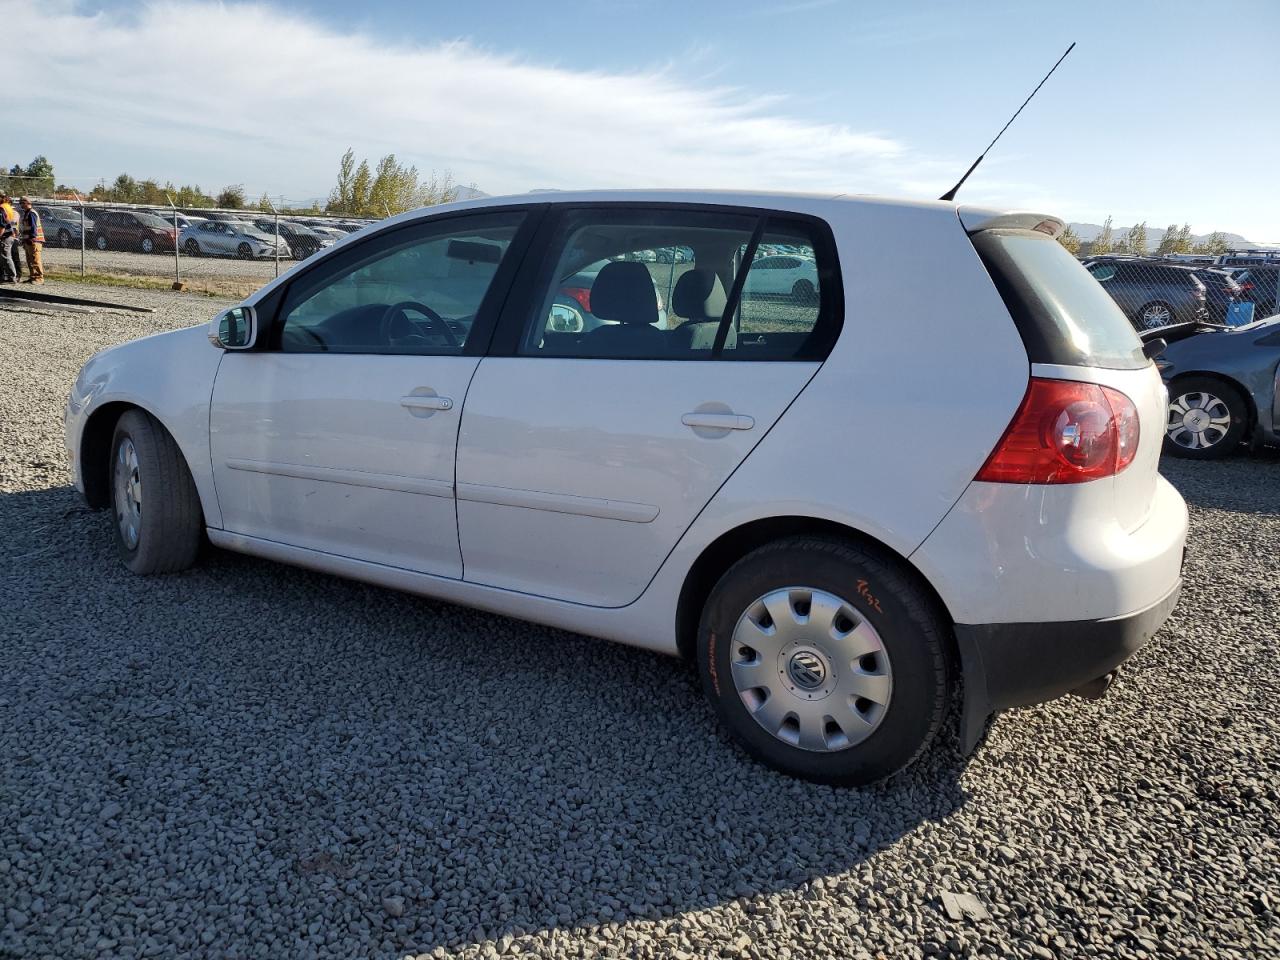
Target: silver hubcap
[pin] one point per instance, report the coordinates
(811, 669)
(1198, 420)
(1156, 316)
(128, 493)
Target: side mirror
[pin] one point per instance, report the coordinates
(234, 329)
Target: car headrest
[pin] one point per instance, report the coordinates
(624, 292)
(699, 295)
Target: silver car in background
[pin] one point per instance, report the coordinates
(230, 238)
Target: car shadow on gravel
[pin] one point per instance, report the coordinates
(303, 763)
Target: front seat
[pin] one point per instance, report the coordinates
(623, 292)
(699, 297)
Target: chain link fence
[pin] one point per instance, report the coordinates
(221, 252)
(1231, 288)
(232, 252)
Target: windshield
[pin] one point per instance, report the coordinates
(1063, 313)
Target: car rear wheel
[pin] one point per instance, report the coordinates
(1155, 314)
(245, 251)
(802, 290)
(64, 239)
(148, 245)
(824, 660)
(158, 520)
(1207, 419)
(101, 242)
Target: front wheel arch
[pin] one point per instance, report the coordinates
(95, 452)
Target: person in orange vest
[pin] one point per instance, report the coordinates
(31, 231)
(8, 234)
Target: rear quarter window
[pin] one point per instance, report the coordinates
(1063, 314)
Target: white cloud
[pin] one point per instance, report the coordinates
(233, 92)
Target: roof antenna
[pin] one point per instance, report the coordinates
(951, 194)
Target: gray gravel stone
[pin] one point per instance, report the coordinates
(293, 750)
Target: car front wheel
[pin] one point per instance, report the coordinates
(1207, 419)
(101, 242)
(158, 520)
(825, 660)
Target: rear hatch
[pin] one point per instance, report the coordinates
(1073, 330)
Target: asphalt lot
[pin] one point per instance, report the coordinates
(248, 760)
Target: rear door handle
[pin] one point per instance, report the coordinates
(718, 421)
(426, 403)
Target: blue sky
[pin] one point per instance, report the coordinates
(1158, 114)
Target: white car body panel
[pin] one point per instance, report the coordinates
(329, 452)
(615, 475)
(170, 375)
(885, 439)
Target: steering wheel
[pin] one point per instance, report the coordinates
(397, 311)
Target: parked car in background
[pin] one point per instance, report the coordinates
(1221, 290)
(1260, 285)
(230, 238)
(302, 241)
(1151, 294)
(323, 230)
(132, 230)
(1222, 387)
(62, 226)
(852, 565)
(783, 275)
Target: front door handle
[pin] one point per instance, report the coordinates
(412, 403)
(718, 421)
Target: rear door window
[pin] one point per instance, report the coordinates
(650, 283)
(1063, 314)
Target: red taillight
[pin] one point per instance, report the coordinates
(581, 294)
(1246, 287)
(1065, 432)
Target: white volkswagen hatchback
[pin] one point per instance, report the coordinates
(856, 505)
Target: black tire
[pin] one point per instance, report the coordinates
(100, 241)
(170, 523)
(1205, 397)
(1155, 314)
(191, 248)
(803, 291)
(245, 251)
(914, 635)
(64, 238)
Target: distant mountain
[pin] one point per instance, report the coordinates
(471, 193)
(1089, 231)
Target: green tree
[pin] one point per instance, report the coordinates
(1214, 244)
(1069, 240)
(385, 189)
(1168, 243)
(1104, 242)
(1138, 238)
(231, 197)
(341, 198)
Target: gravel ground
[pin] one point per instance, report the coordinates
(248, 760)
(161, 264)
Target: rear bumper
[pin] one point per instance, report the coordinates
(1018, 664)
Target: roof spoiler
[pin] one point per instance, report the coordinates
(974, 219)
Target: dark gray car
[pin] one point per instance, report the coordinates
(62, 226)
(1151, 294)
(1222, 387)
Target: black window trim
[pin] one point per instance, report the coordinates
(505, 341)
(270, 309)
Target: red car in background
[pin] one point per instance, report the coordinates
(132, 230)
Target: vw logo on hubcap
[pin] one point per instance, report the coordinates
(807, 670)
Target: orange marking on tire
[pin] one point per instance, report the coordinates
(711, 662)
(868, 596)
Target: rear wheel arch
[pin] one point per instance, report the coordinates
(730, 547)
